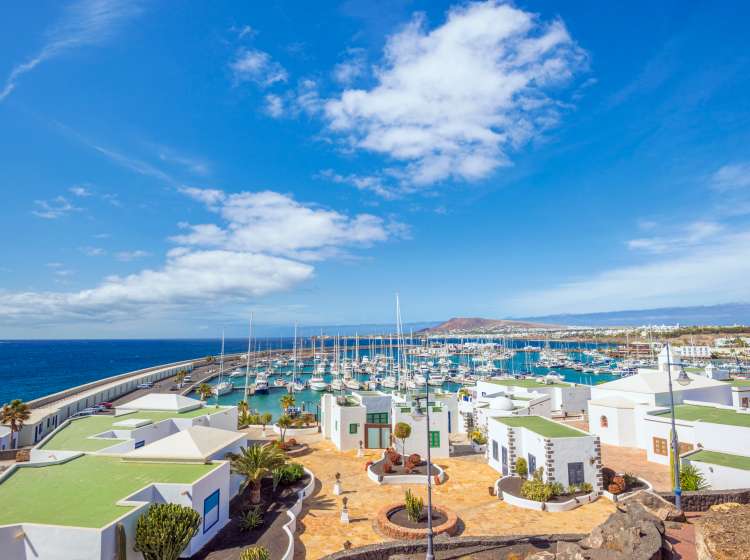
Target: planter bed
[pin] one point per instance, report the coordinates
(393, 522)
(642, 485)
(294, 432)
(509, 488)
(399, 475)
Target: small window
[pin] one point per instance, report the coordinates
(377, 418)
(660, 446)
(603, 422)
(336, 426)
(140, 443)
(495, 451)
(353, 428)
(211, 511)
(435, 439)
(685, 448)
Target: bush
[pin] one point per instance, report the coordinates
(165, 530)
(691, 479)
(522, 468)
(614, 488)
(620, 481)
(251, 519)
(607, 476)
(536, 490)
(478, 437)
(288, 474)
(586, 487)
(631, 481)
(414, 459)
(414, 506)
(387, 467)
(557, 488)
(255, 553)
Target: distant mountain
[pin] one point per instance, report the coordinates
(476, 324)
(723, 314)
(344, 330)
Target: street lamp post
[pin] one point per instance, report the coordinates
(430, 553)
(683, 380)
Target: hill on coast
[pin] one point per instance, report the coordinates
(476, 324)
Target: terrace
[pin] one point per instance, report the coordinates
(708, 414)
(84, 492)
(540, 425)
(721, 459)
(78, 434)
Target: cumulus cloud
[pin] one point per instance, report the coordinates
(351, 68)
(265, 243)
(84, 23)
(452, 102)
(277, 224)
(253, 65)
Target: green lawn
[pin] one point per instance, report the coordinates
(540, 425)
(76, 435)
(722, 459)
(740, 382)
(83, 492)
(692, 413)
(526, 383)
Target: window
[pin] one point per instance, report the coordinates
(603, 422)
(434, 439)
(531, 464)
(495, 450)
(660, 446)
(685, 447)
(336, 426)
(211, 511)
(575, 473)
(353, 428)
(377, 417)
(140, 443)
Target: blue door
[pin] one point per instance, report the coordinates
(532, 464)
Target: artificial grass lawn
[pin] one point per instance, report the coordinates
(83, 492)
(526, 383)
(75, 436)
(692, 412)
(540, 425)
(722, 459)
(740, 382)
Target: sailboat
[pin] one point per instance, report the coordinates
(317, 382)
(222, 387)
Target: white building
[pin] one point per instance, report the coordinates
(564, 398)
(369, 418)
(114, 467)
(568, 455)
(693, 351)
(721, 471)
(5, 438)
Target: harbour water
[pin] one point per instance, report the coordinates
(31, 369)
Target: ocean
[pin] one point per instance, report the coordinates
(30, 369)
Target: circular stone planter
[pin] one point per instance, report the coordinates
(449, 524)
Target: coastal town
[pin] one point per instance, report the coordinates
(503, 453)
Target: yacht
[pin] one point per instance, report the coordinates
(237, 373)
(389, 382)
(317, 383)
(353, 384)
(261, 383)
(337, 384)
(223, 388)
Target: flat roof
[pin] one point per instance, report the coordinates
(722, 459)
(542, 426)
(526, 383)
(739, 382)
(84, 492)
(708, 414)
(76, 436)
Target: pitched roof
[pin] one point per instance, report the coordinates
(162, 401)
(652, 381)
(195, 444)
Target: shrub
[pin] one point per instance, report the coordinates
(573, 488)
(292, 441)
(414, 459)
(288, 474)
(614, 488)
(631, 481)
(414, 506)
(620, 481)
(607, 476)
(586, 487)
(522, 468)
(251, 519)
(402, 431)
(255, 553)
(478, 437)
(393, 456)
(536, 490)
(163, 532)
(691, 479)
(387, 467)
(557, 488)
(539, 474)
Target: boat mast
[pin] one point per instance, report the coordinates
(247, 362)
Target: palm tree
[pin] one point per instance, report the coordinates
(287, 401)
(255, 463)
(15, 414)
(205, 391)
(284, 422)
(181, 376)
(265, 419)
(242, 408)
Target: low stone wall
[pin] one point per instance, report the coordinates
(704, 499)
(385, 550)
(386, 526)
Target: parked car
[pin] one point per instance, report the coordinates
(144, 385)
(105, 404)
(86, 412)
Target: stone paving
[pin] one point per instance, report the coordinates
(466, 491)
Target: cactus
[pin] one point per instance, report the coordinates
(414, 506)
(165, 530)
(121, 540)
(255, 553)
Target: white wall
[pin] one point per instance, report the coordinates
(620, 430)
(417, 441)
(720, 477)
(341, 417)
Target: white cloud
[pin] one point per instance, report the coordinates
(350, 69)
(714, 272)
(127, 256)
(92, 251)
(209, 197)
(80, 191)
(372, 183)
(452, 102)
(277, 224)
(84, 23)
(253, 65)
(688, 236)
(53, 208)
(731, 177)
(274, 105)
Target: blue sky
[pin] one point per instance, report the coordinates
(166, 171)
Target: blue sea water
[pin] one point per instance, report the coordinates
(33, 368)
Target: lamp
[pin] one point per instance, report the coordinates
(684, 379)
